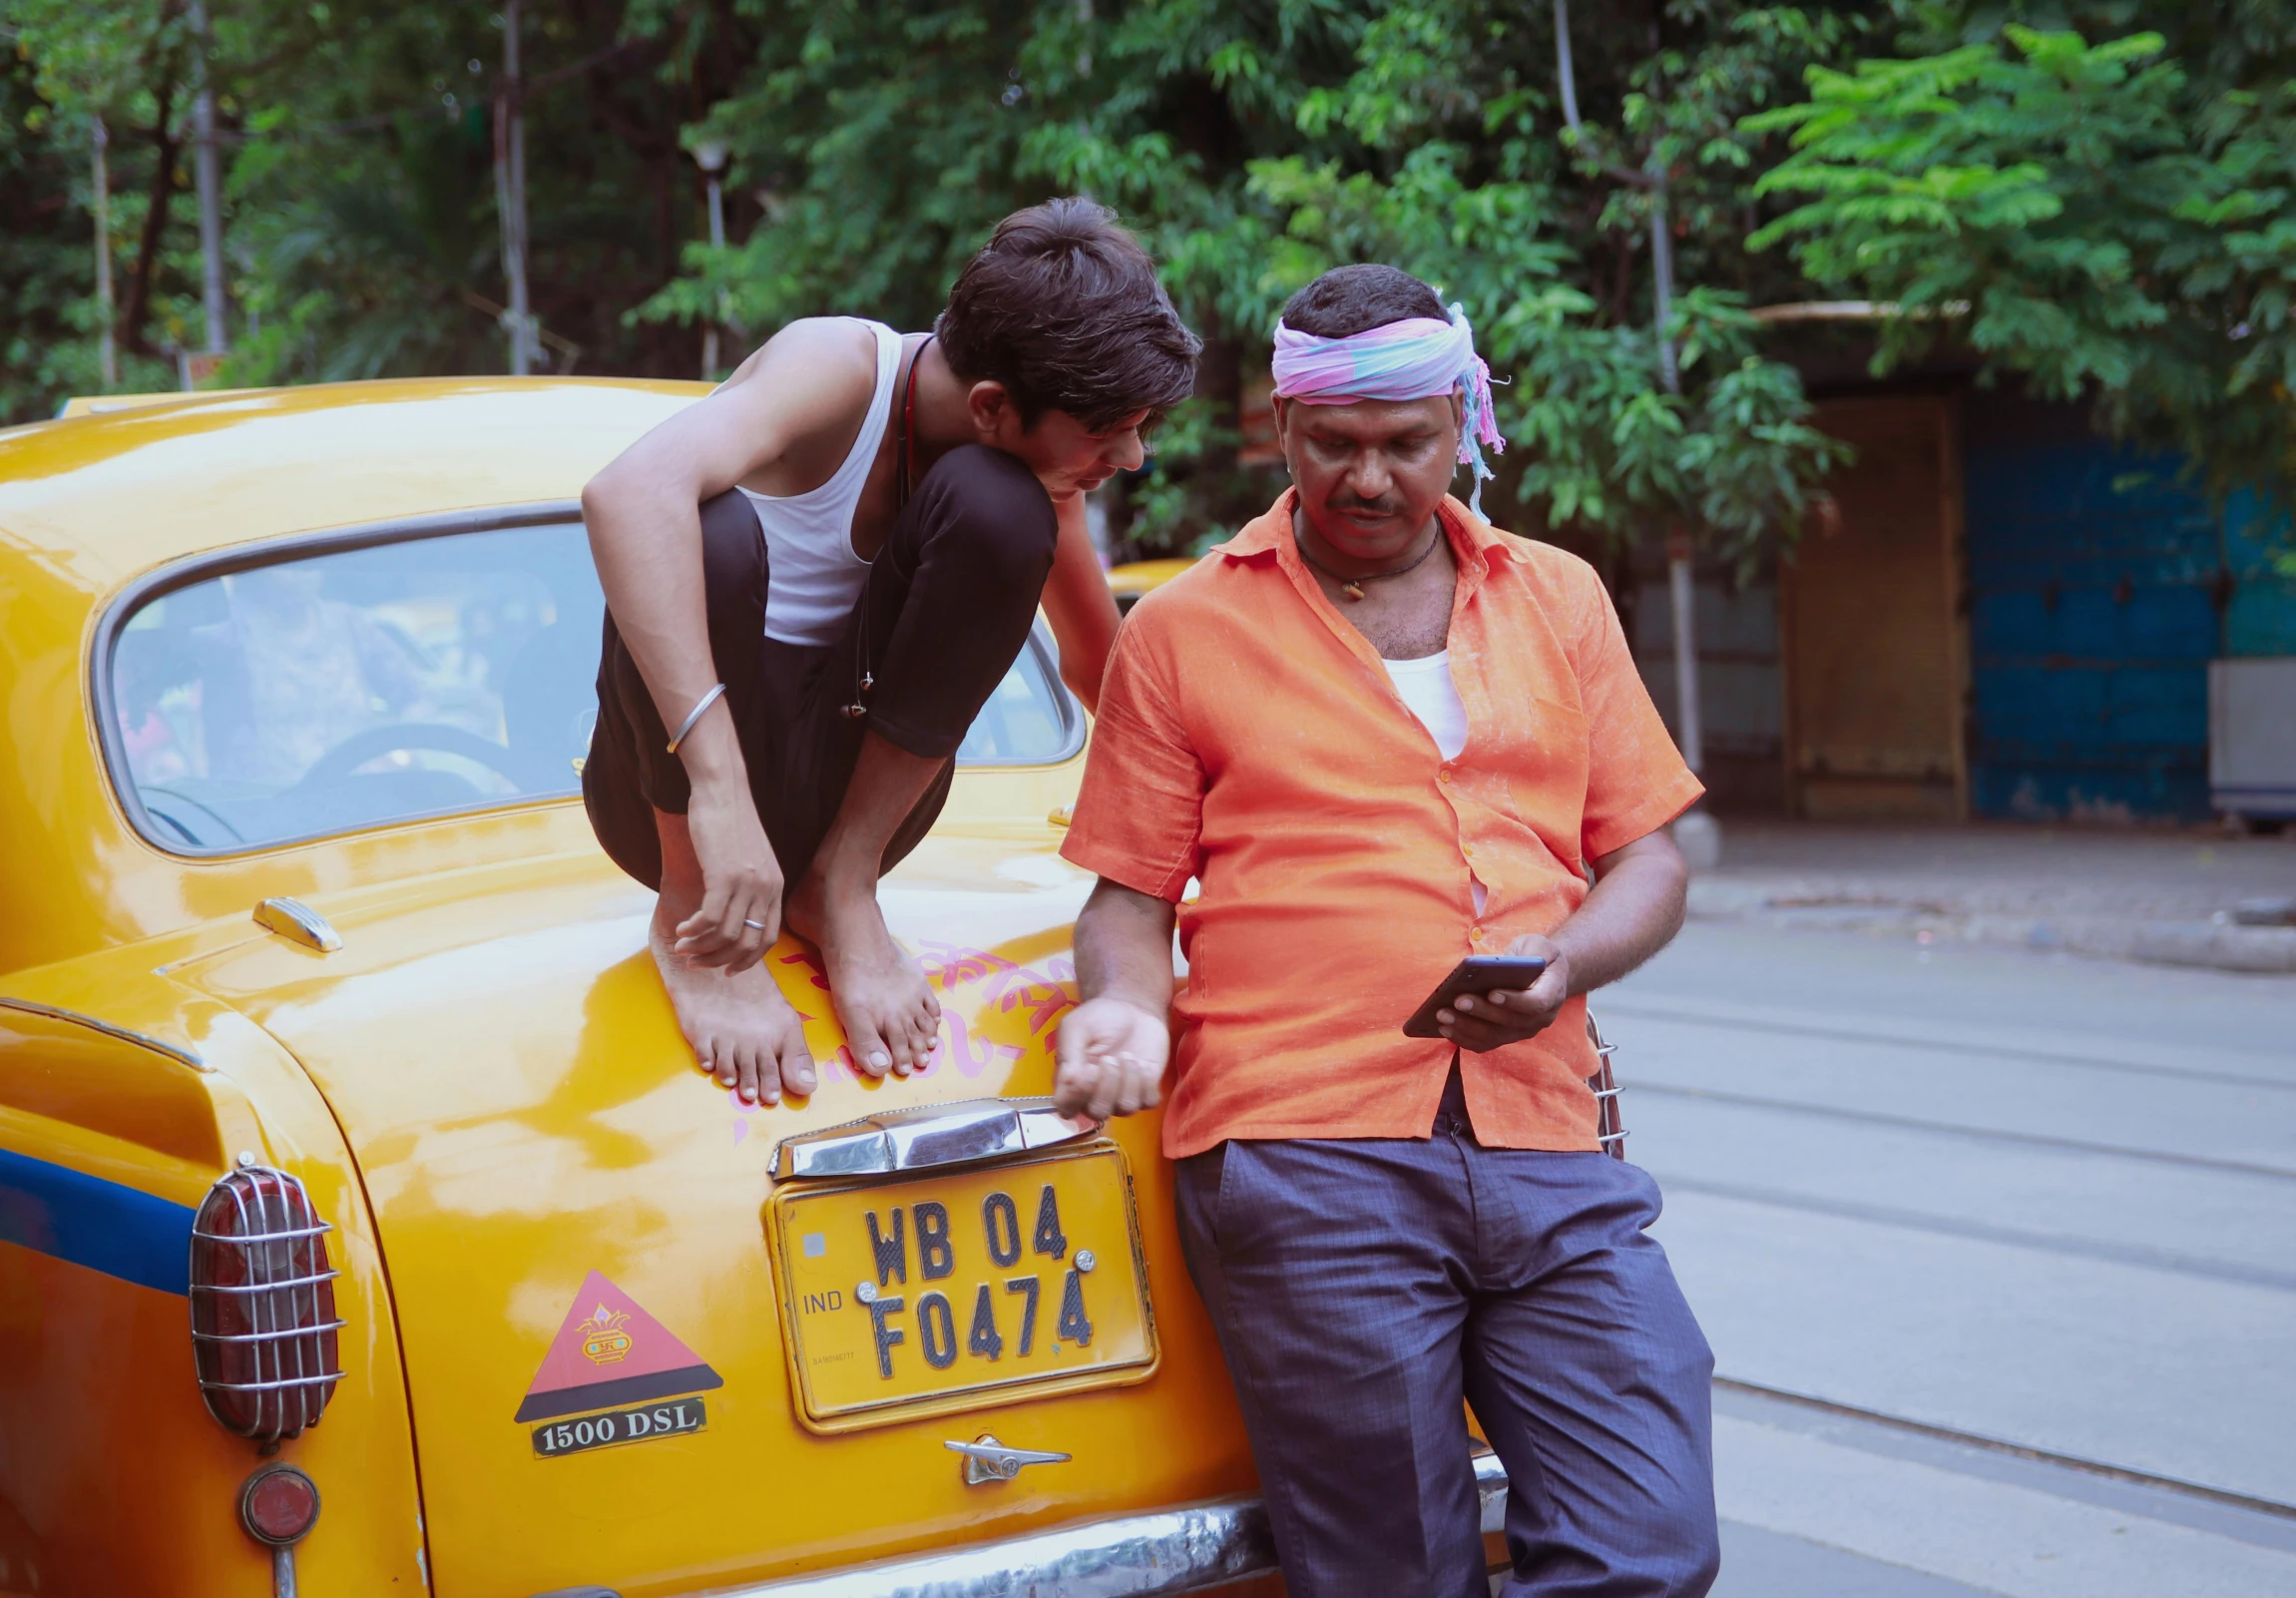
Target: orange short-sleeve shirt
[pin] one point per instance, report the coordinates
(1251, 738)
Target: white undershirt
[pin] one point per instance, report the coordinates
(812, 577)
(1426, 687)
(1431, 696)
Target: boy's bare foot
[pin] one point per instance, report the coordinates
(742, 1031)
(891, 1017)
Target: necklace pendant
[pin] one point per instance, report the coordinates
(1353, 591)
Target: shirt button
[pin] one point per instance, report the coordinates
(1466, 849)
(1443, 776)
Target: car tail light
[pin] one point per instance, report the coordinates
(263, 1306)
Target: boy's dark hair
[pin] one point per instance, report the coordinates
(1347, 301)
(1063, 308)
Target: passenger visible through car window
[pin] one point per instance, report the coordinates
(365, 686)
(362, 687)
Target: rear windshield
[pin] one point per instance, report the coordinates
(366, 686)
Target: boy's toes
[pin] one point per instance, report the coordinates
(796, 1069)
(758, 1069)
(869, 1051)
(904, 1049)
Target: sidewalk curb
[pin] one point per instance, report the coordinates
(2225, 947)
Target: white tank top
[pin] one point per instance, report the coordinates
(813, 578)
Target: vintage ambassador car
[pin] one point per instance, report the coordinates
(363, 1220)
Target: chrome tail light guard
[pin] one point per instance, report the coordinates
(264, 1323)
(1609, 1124)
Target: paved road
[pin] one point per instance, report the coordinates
(1998, 1253)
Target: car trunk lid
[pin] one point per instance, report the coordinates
(575, 1223)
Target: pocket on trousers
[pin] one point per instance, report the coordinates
(1620, 1188)
(1260, 1201)
(1196, 1202)
(1226, 1177)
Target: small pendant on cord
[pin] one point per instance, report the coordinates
(1354, 591)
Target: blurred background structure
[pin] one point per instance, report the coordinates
(1945, 345)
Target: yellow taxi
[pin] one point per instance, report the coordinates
(1136, 580)
(365, 1224)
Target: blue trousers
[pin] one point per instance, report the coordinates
(1361, 1287)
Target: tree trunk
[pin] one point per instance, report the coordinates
(208, 166)
(100, 184)
(166, 147)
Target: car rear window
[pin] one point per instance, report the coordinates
(359, 687)
(1028, 720)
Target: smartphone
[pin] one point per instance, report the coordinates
(1478, 974)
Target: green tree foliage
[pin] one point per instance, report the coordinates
(363, 236)
(66, 67)
(2108, 192)
(1256, 145)
(2114, 219)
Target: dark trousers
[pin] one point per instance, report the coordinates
(1361, 1287)
(946, 606)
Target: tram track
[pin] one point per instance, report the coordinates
(1993, 1043)
(2042, 1140)
(1907, 1206)
(2016, 1450)
(2059, 1244)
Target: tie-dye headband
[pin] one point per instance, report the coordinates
(1412, 360)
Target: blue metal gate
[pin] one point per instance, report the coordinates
(2096, 586)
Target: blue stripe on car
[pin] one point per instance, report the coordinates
(121, 1230)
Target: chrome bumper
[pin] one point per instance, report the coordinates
(1179, 1550)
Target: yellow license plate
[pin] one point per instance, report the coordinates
(927, 1295)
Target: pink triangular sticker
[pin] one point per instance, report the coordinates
(605, 1340)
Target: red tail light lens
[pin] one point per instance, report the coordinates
(263, 1306)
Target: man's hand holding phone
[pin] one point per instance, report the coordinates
(1112, 1058)
(1481, 1022)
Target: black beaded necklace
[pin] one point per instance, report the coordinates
(1352, 587)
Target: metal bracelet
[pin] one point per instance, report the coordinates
(701, 706)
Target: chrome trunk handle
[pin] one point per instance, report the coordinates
(927, 1137)
(987, 1459)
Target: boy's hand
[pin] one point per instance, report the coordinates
(1111, 1059)
(741, 881)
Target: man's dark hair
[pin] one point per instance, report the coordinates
(1063, 308)
(1347, 301)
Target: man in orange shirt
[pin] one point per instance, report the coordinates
(1383, 736)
